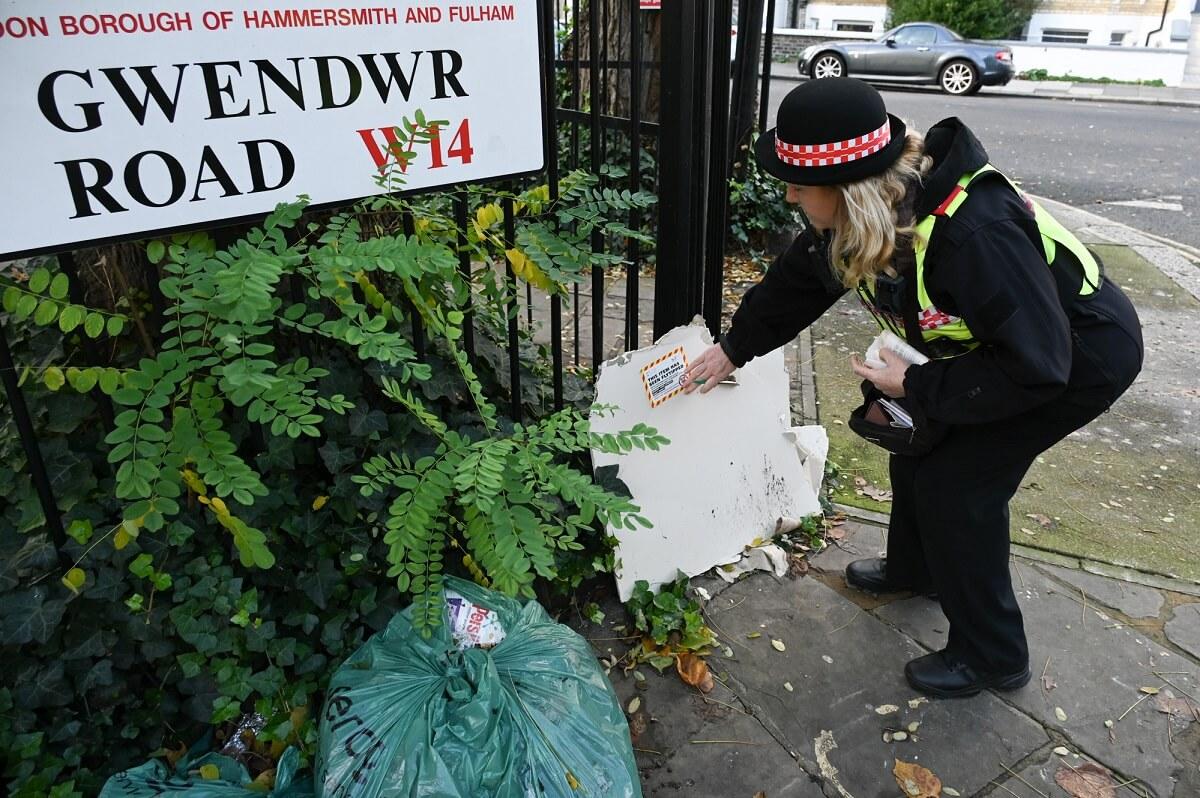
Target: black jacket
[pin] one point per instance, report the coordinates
(986, 265)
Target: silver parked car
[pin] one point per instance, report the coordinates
(919, 52)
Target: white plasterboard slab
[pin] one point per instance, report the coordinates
(731, 469)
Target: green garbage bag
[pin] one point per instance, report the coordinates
(233, 781)
(500, 701)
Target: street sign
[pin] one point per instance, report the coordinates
(126, 119)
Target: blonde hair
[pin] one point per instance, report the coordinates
(866, 228)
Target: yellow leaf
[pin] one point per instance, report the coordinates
(916, 781)
(263, 782)
(121, 539)
(74, 579)
(53, 378)
(319, 502)
(694, 671)
(572, 781)
(778, 645)
(1149, 690)
(527, 270)
(194, 483)
(203, 499)
(209, 772)
(219, 506)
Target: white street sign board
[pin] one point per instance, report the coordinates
(140, 116)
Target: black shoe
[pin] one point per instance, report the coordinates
(945, 676)
(871, 576)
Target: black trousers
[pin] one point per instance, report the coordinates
(950, 523)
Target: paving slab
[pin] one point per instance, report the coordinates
(1183, 629)
(694, 746)
(678, 727)
(1037, 778)
(860, 541)
(1097, 667)
(1136, 601)
(843, 665)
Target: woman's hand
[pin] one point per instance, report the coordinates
(710, 368)
(890, 378)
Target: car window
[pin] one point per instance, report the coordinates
(887, 35)
(947, 35)
(916, 35)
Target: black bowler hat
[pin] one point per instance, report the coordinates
(828, 131)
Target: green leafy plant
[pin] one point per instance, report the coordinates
(974, 19)
(252, 515)
(670, 619)
(758, 211)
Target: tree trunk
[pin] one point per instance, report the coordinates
(613, 41)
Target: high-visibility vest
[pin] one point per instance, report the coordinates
(939, 328)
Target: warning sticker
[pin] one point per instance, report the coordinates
(663, 378)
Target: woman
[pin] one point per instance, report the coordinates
(1027, 342)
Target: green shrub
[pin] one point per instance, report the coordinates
(285, 472)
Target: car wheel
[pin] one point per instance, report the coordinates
(958, 78)
(828, 65)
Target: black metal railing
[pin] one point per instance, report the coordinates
(672, 135)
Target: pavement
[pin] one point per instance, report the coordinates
(1100, 92)
(1056, 89)
(1106, 572)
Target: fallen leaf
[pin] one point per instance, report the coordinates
(1174, 706)
(174, 755)
(878, 494)
(886, 709)
(753, 635)
(1087, 780)
(1027, 530)
(704, 594)
(913, 703)
(797, 565)
(912, 727)
(778, 645)
(837, 533)
(1148, 690)
(637, 725)
(900, 736)
(635, 704)
(953, 793)
(1062, 716)
(788, 686)
(860, 482)
(916, 781)
(694, 671)
(1042, 520)
(828, 659)
(1048, 683)
(760, 794)
(1062, 751)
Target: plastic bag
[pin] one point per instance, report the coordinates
(532, 716)
(233, 780)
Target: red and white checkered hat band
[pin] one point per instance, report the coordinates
(836, 152)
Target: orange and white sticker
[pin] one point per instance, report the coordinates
(663, 378)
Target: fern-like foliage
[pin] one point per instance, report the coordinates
(504, 498)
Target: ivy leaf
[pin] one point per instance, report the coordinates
(319, 585)
(29, 617)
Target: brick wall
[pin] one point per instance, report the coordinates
(787, 46)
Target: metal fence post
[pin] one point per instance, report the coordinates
(33, 454)
(745, 85)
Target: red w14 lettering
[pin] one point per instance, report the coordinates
(385, 143)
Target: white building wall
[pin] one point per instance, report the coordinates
(1100, 27)
(827, 15)
(1118, 63)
